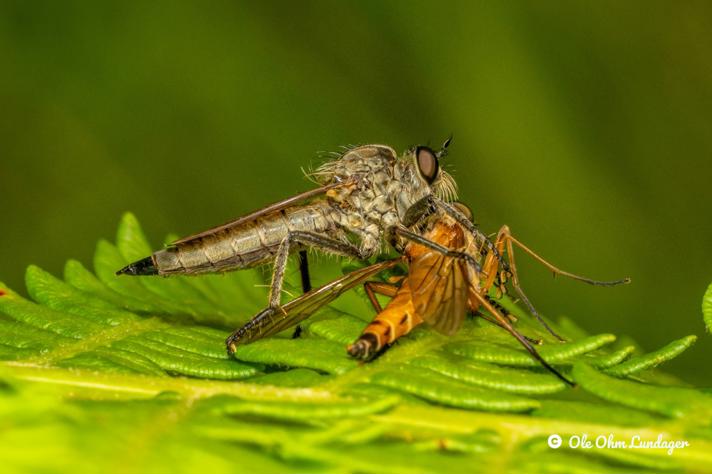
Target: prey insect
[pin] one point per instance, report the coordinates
(366, 197)
(439, 289)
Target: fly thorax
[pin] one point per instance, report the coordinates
(407, 188)
(358, 162)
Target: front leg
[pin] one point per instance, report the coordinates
(307, 239)
(425, 242)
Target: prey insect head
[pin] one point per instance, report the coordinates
(464, 210)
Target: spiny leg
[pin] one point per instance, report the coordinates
(512, 318)
(306, 284)
(507, 315)
(492, 261)
(557, 271)
(491, 267)
(505, 235)
(464, 221)
(307, 239)
(419, 239)
(523, 340)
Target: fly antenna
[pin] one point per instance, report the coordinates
(442, 153)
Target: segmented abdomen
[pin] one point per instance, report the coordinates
(396, 320)
(247, 245)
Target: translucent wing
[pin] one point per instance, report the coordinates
(261, 212)
(439, 291)
(439, 283)
(271, 321)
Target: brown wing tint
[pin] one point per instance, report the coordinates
(261, 212)
(271, 321)
(439, 291)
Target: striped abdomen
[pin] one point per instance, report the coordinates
(246, 245)
(396, 320)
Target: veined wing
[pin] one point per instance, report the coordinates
(261, 212)
(271, 321)
(439, 284)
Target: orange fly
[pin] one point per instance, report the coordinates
(451, 269)
(440, 288)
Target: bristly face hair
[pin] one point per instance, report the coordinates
(445, 186)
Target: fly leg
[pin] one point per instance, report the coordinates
(306, 284)
(373, 288)
(502, 321)
(508, 267)
(465, 221)
(507, 315)
(489, 269)
(304, 271)
(419, 239)
(306, 239)
(505, 237)
(495, 265)
(271, 321)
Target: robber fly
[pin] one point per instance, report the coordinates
(367, 197)
(439, 289)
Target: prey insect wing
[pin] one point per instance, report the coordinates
(439, 290)
(439, 282)
(271, 320)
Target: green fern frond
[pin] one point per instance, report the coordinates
(102, 374)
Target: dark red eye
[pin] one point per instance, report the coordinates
(427, 163)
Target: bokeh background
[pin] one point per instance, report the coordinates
(585, 126)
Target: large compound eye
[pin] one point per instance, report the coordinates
(464, 210)
(427, 163)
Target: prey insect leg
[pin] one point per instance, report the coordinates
(523, 340)
(505, 237)
(495, 251)
(373, 287)
(310, 240)
(492, 262)
(507, 315)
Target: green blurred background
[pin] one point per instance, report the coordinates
(585, 126)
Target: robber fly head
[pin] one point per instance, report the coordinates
(427, 163)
